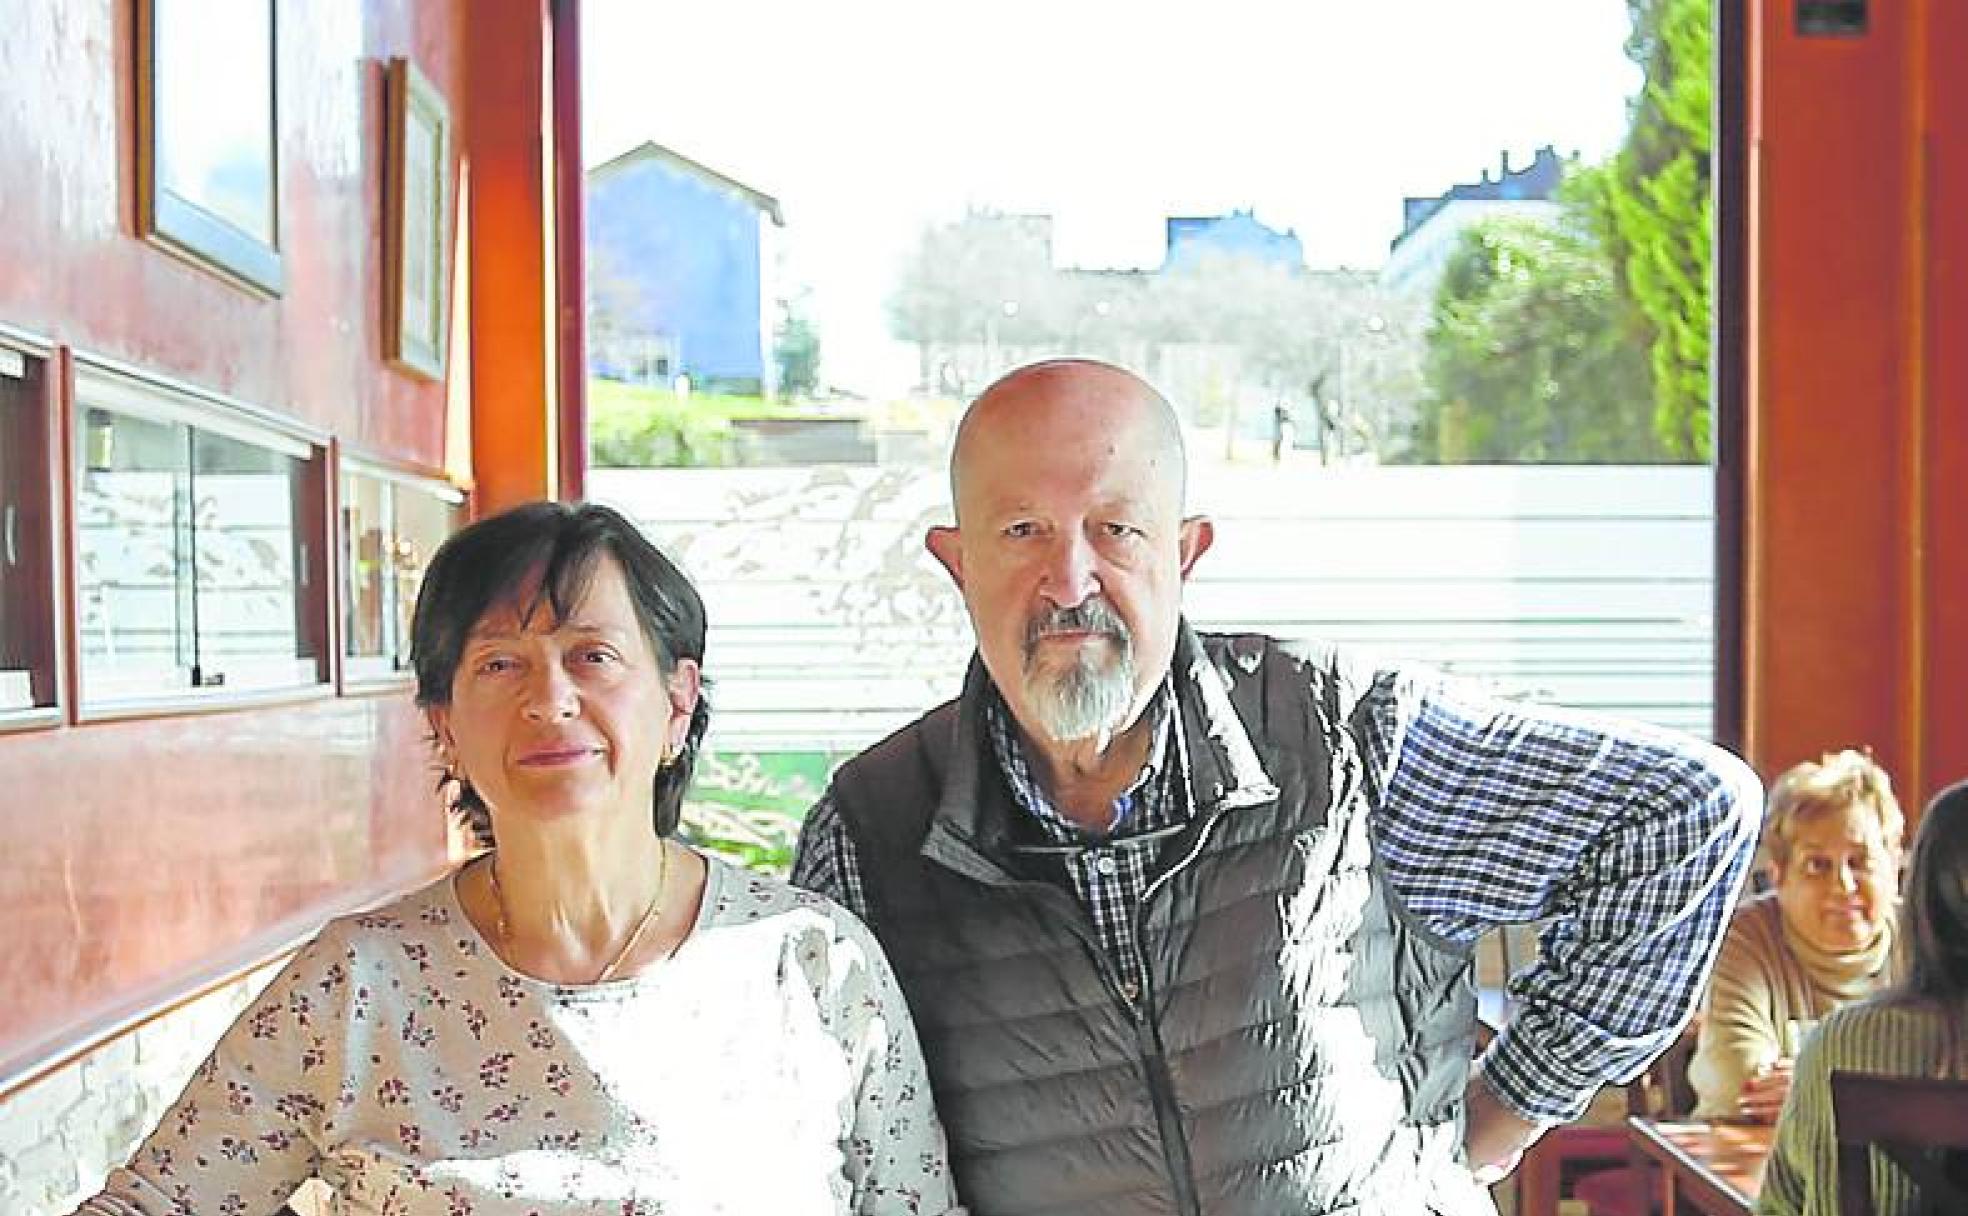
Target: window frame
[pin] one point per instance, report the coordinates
(103, 383)
(366, 674)
(49, 614)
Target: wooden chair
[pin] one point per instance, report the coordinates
(1662, 1092)
(1919, 1125)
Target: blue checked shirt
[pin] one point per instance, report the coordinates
(1632, 843)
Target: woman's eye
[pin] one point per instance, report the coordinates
(597, 656)
(496, 665)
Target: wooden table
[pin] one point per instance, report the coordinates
(1714, 1169)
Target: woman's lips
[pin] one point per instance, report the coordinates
(558, 757)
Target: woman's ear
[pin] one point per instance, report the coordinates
(438, 717)
(686, 685)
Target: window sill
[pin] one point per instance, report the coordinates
(376, 681)
(36, 717)
(179, 703)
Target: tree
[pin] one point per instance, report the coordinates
(1653, 208)
(981, 282)
(796, 348)
(1531, 358)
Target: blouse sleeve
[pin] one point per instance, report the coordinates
(896, 1157)
(1739, 1030)
(243, 1134)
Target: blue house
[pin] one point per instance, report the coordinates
(1239, 234)
(677, 273)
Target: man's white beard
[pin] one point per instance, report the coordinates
(1088, 698)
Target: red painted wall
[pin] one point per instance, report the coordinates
(1857, 536)
(1943, 705)
(140, 857)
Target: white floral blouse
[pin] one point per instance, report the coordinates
(768, 1066)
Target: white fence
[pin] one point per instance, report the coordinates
(830, 626)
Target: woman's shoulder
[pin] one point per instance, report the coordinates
(1882, 1034)
(736, 896)
(1880, 1017)
(1755, 936)
(404, 927)
(1758, 918)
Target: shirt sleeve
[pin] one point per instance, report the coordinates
(1630, 843)
(244, 1133)
(827, 861)
(895, 1155)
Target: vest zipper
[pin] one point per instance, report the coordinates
(1161, 1083)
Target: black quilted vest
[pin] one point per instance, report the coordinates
(1302, 1044)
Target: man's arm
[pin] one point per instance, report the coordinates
(1632, 843)
(826, 860)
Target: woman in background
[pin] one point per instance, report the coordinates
(1919, 1028)
(591, 1016)
(1821, 939)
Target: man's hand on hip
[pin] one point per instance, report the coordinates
(1494, 1136)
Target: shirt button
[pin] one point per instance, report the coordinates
(1105, 865)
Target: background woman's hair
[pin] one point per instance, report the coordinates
(1934, 921)
(550, 551)
(1817, 787)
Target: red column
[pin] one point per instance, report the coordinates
(1855, 567)
(506, 48)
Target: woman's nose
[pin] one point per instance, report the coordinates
(550, 694)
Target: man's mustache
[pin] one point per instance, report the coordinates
(1093, 616)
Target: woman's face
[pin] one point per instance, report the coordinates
(1837, 887)
(556, 718)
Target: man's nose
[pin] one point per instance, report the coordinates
(550, 694)
(1071, 575)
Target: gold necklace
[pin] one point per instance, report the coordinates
(503, 929)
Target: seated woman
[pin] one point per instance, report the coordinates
(1823, 938)
(1918, 1028)
(592, 1016)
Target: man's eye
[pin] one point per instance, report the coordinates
(497, 664)
(598, 655)
(1021, 529)
(1121, 530)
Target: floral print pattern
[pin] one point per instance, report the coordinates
(768, 1066)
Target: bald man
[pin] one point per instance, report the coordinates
(1186, 920)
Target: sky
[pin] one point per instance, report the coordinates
(869, 119)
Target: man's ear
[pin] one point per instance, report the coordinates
(1197, 535)
(945, 544)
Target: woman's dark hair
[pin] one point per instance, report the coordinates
(1934, 913)
(552, 550)
(1935, 910)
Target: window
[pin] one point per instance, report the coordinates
(197, 568)
(27, 619)
(391, 524)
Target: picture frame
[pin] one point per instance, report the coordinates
(416, 222)
(207, 147)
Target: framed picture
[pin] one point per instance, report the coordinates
(416, 214)
(207, 135)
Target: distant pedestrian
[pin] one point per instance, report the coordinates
(1283, 429)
